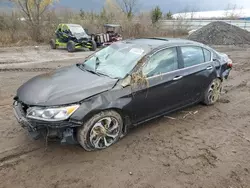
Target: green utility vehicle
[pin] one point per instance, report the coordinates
(72, 37)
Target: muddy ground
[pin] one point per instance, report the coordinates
(203, 147)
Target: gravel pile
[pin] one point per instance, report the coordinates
(221, 33)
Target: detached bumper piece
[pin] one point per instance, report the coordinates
(225, 74)
(63, 131)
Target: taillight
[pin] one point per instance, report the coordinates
(230, 63)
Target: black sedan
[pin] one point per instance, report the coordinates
(127, 83)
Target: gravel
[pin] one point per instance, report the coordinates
(221, 33)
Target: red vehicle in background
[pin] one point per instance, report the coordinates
(112, 34)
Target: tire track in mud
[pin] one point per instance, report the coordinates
(25, 69)
(13, 155)
(13, 62)
(2, 105)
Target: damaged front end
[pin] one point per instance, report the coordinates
(44, 104)
(63, 131)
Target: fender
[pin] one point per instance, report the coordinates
(118, 99)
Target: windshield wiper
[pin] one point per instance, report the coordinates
(103, 74)
(91, 71)
(82, 67)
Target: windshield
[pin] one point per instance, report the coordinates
(116, 60)
(77, 30)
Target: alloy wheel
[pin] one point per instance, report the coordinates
(214, 91)
(104, 132)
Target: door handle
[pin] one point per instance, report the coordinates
(177, 78)
(209, 67)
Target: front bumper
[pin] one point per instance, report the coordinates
(20, 116)
(63, 130)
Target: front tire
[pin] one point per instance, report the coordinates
(71, 46)
(212, 94)
(100, 131)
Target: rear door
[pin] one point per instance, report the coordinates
(197, 70)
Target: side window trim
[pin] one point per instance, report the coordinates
(157, 51)
(204, 57)
(203, 48)
(194, 46)
(180, 58)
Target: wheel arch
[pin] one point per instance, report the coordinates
(219, 74)
(126, 117)
(98, 104)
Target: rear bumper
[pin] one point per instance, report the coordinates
(63, 131)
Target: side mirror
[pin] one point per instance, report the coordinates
(126, 81)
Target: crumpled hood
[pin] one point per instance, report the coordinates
(63, 86)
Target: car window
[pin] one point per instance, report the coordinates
(192, 55)
(162, 62)
(207, 55)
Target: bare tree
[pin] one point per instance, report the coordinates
(232, 12)
(33, 11)
(129, 7)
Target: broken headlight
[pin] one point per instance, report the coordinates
(51, 114)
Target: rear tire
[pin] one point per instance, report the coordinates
(91, 134)
(52, 43)
(94, 46)
(71, 46)
(212, 94)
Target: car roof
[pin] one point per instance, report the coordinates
(111, 25)
(157, 42)
(73, 25)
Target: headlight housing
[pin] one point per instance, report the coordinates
(51, 114)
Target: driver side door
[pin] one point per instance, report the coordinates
(163, 92)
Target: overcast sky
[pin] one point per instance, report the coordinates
(166, 5)
(173, 5)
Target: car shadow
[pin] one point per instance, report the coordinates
(182, 114)
(148, 134)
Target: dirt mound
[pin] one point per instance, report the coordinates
(221, 33)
